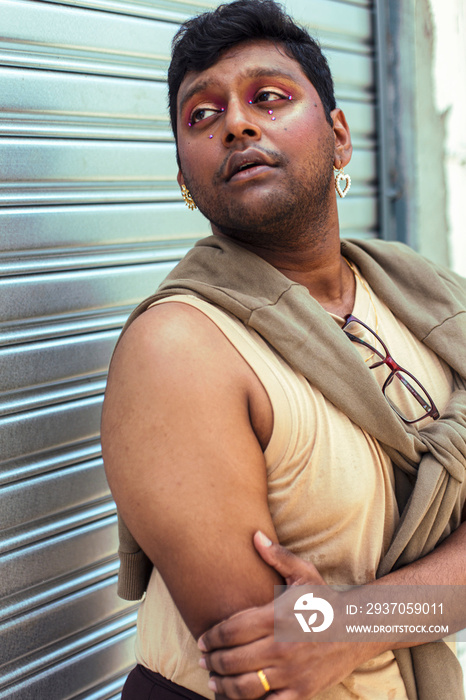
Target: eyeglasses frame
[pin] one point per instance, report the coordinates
(394, 367)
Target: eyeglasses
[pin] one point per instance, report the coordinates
(404, 393)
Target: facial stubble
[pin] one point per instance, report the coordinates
(291, 214)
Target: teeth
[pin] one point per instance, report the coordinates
(246, 165)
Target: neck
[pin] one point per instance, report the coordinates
(319, 267)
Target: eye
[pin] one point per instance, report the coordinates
(203, 113)
(270, 96)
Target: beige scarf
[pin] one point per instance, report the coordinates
(430, 462)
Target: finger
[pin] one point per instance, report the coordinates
(243, 659)
(239, 629)
(247, 686)
(293, 569)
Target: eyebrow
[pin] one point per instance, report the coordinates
(253, 73)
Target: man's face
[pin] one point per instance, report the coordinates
(255, 148)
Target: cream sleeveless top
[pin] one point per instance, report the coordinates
(330, 493)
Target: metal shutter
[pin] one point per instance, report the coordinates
(90, 220)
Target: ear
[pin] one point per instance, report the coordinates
(343, 146)
(180, 178)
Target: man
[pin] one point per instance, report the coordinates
(237, 405)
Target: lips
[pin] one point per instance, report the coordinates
(245, 160)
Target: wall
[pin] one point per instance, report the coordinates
(424, 84)
(450, 99)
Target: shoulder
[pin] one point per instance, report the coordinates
(174, 354)
(170, 333)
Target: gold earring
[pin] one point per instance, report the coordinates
(340, 176)
(187, 196)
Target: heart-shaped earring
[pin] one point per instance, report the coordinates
(340, 177)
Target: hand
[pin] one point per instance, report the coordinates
(238, 647)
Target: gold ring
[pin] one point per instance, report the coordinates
(263, 680)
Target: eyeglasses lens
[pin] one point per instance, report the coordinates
(406, 396)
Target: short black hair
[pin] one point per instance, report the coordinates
(201, 40)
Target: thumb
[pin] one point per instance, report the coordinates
(294, 570)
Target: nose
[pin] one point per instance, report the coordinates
(239, 123)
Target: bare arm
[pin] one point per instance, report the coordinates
(182, 423)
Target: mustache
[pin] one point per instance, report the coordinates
(277, 158)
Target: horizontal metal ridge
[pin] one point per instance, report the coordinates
(49, 503)
(34, 465)
(346, 17)
(62, 651)
(41, 430)
(64, 295)
(75, 39)
(350, 45)
(173, 11)
(36, 532)
(23, 602)
(59, 193)
(75, 670)
(358, 214)
(48, 626)
(38, 366)
(19, 55)
(362, 3)
(71, 324)
(69, 127)
(55, 371)
(98, 228)
(75, 105)
(15, 403)
(350, 93)
(37, 261)
(65, 553)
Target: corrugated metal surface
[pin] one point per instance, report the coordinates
(90, 220)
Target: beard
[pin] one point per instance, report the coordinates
(293, 213)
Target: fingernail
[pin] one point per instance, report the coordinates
(202, 662)
(201, 645)
(212, 685)
(264, 539)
